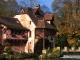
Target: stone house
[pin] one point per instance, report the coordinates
(20, 32)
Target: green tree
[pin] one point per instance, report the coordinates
(61, 40)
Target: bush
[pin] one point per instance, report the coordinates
(8, 50)
(24, 55)
(56, 52)
(61, 40)
(51, 53)
(16, 55)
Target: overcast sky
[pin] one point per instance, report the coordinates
(43, 2)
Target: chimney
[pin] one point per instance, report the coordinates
(37, 6)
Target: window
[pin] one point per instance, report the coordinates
(30, 22)
(29, 33)
(48, 22)
(22, 10)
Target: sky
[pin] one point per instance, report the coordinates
(46, 2)
(42, 2)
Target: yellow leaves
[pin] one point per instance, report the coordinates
(70, 17)
(72, 42)
(56, 49)
(79, 41)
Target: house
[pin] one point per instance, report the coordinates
(22, 30)
(13, 34)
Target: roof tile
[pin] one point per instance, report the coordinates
(11, 22)
(48, 16)
(44, 24)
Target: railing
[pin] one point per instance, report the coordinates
(17, 37)
(22, 35)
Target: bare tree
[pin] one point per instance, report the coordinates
(45, 9)
(9, 7)
(29, 3)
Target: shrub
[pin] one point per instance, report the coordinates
(51, 53)
(24, 55)
(8, 50)
(56, 52)
(61, 40)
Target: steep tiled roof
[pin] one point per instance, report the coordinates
(11, 22)
(44, 24)
(38, 17)
(48, 16)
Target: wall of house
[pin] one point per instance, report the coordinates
(27, 22)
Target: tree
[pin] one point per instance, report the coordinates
(61, 40)
(2, 7)
(67, 15)
(12, 7)
(9, 7)
(45, 9)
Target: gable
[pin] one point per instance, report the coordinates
(28, 15)
(25, 20)
(29, 12)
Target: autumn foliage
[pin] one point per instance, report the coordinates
(72, 42)
(67, 19)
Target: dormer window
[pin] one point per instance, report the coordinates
(22, 10)
(48, 22)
